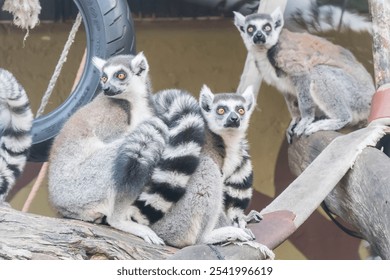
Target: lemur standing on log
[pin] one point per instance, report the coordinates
(15, 126)
(324, 86)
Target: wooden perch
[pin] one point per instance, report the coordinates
(362, 197)
(34, 237)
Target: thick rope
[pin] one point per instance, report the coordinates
(61, 61)
(25, 13)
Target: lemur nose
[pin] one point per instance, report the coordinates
(106, 89)
(259, 37)
(233, 117)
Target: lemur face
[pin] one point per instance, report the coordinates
(227, 112)
(122, 74)
(261, 30)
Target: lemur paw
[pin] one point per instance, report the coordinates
(311, 128)
(153, 239)
(253, 217)
(290, 130)
(241, 234)
(302, 125)
(147, 234)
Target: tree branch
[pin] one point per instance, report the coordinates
(362, 197)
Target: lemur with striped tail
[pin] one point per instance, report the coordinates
(15, 125)
(122, 141)
(227, 115)
(106, 151)
(199, 217)
(183, 203)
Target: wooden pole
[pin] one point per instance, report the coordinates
(380, 12)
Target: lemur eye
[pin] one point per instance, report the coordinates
(121, 76)
(250, 29)
(267, 28)
(221, 111)
(104, 79)
(241, 111)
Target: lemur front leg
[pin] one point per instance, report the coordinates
(292, 105)
(306, 104)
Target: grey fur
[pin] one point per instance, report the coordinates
(85, 178)
(15, 125)
(199, 217)
(231, 125)
(324, 86)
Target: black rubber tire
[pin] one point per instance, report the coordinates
(109, 31)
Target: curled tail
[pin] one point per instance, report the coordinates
(142, 148)
(15, 126)
(181, 112)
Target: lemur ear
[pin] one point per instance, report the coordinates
(140, 65)
(239, 21)
(277, 17)
(98, 63)
(206, 98)
(249, 97)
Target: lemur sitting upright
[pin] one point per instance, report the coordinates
(324, 86)
(87, 179)
(199, 217)
(15, 125)
(123, 140)
(227, 115)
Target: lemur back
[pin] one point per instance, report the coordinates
(324, 86)
(15, 126)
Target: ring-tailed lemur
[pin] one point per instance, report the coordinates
(227, 115)
(106, 151)
(324, 86)
(118, 146)
(15, 125)
(199, 216)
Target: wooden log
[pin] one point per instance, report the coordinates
(34, 237)
(362, 197)
(380, 11)
(29, 236)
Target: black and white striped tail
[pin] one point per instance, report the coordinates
(238, 187)
(138, 155)
(181, 113)
(15, 126)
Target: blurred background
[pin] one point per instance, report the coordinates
(189, 43)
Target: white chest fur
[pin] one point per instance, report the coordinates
(140, 111)
(282, 83)
(232, 154)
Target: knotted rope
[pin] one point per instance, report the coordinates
(25, 13)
